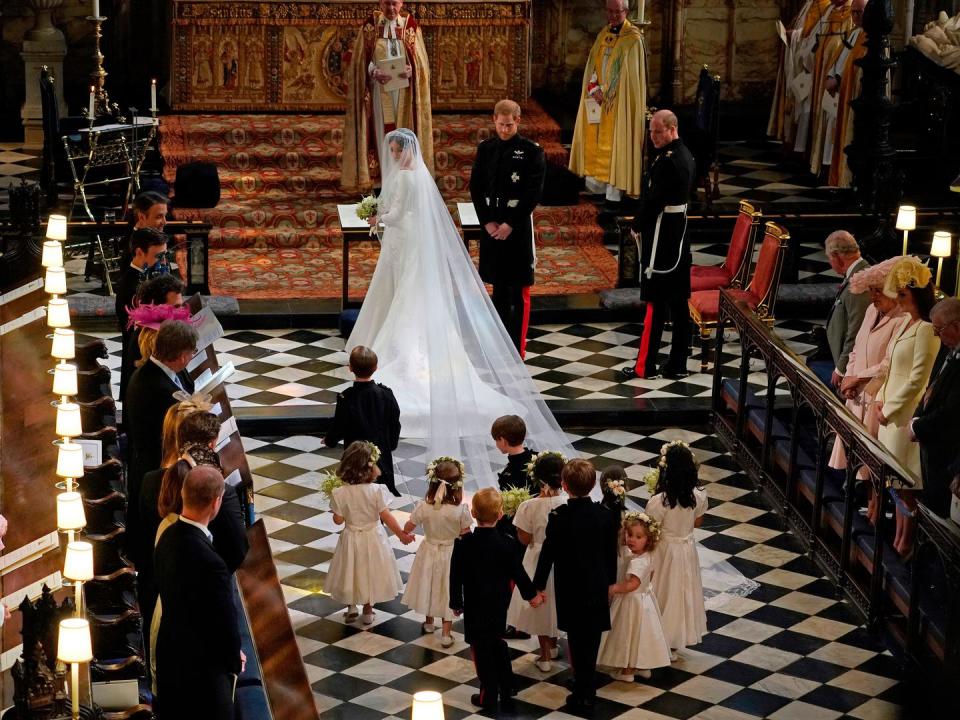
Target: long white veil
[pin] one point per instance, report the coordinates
(441, 346)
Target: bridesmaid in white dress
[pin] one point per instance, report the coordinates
(635, 642)
(530, 522)
(679, 506)
(363, 569)
(444, 518)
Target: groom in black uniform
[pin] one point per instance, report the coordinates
(505, 186)
(661, 229)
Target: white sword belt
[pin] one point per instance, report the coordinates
(669, 210)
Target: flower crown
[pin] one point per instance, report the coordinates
(529, 468)
(653, 527)
(152, 316)
(432, 472)
(662, 463)
(374, 453)
(617, 487)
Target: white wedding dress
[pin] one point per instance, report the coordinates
(441, 346)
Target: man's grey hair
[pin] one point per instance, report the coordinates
(840, 242)
(174, 338)
(947, 310)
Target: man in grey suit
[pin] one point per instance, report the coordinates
(846, 314)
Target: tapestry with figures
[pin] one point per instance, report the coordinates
(248, 55)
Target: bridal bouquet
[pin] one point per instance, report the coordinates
(367, 207)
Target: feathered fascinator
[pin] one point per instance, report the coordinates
(906, 272)
(152, 316)
(873, 276)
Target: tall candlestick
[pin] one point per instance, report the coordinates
(640, 8)
(96, 8)
(153, 95)
(92, 111)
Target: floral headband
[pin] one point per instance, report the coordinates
(662, 463)
(444, 484)
(530, 466)
(153, 316)
(653, 527)
(618, 489)
(374, 453)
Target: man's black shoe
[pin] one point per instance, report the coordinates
(627, 373)
(475, 699)
(513, 634)
(674, 373)
(578, 702)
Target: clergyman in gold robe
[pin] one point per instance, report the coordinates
(611, 121)
(846, 85)
(373, 110)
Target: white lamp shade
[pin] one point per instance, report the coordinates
(73, 642)
(52, 254)
(63, 345)
(68, 420)
(427, 705)
(79, 562)
(70, 515)
(70, 460)
(57, 227)
(55, 281)
(941, 245)
(58, 313)
(65, 379)
(907, 218)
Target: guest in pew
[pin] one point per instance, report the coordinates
(150, 393)
(866, 369)
(846, 313)
(368, 411)
(146, 244)
(910, 358)
(198, 644)
(163, 289)
(935, 422)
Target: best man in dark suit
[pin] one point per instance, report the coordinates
(149, 396)
(482, 569)
(368, 411)
(198, 645)
(661, 229)
(145, 245)
(581, 548)
(505, 185)
(937, 417)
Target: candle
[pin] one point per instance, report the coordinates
(92, 111)
(96, 8)
(153, 95)
(640, 8)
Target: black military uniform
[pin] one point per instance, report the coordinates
(581, 547)
(483, 568)
(505, 186)
(369, 411)
(665, 258)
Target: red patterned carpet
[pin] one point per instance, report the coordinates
(276, 232)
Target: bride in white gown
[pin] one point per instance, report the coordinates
(441, 346)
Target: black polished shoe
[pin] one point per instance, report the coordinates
(627, 373)
(673, 373)
(580, 703)
(475, 699)
(513, 634)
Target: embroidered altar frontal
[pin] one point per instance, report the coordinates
(248, 55)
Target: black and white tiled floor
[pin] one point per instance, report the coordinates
(792, 649)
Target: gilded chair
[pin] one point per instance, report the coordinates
(760, 295)
(735, 269)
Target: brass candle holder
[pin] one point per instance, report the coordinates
(98, 77)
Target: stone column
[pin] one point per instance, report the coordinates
(44, 45)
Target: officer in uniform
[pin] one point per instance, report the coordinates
(505, 186)
(660, 229)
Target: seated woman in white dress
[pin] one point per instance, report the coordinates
(427, 315)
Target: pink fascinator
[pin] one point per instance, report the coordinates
(152, 316)
(874, 276)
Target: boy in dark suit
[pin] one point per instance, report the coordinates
(482, 570)
(368, 411)
(581, 547)
(509, 432)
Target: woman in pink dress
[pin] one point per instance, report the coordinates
(866, 367)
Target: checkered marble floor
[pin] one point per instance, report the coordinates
(792, 649)
(568, 361)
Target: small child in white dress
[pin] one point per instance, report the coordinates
(444, 518)
(635, 642)
(363, 569)
(679, 506)
(530, 522)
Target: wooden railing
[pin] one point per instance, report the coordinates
(784, 442)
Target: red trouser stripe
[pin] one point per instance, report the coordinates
(526, 322)
(645, 342)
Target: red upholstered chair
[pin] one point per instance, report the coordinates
(735, 269)
(760, 295)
